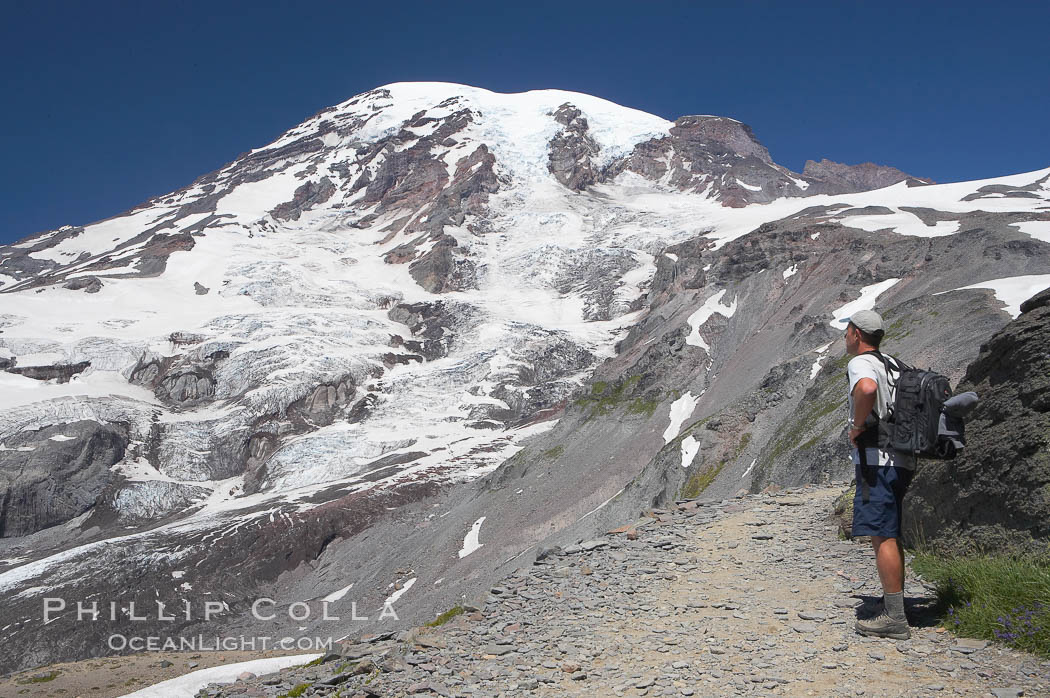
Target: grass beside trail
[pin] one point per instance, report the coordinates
(1005, 599)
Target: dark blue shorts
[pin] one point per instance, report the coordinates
(881, 514)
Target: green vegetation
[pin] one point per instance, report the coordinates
(315, 662)
(740, 447)
(896, 330)
(699, 482)
(553, 453)
(999, 598)
(642, 406)
(824, 398)
(447, 615)
(793, 432)
(843, 510)
(839, 363)
(299, 690)
(44, 678)
(604, 400)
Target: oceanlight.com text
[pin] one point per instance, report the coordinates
(215, 643)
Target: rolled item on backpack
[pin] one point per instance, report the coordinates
(951, 437)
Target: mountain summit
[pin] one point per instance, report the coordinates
(434, 327)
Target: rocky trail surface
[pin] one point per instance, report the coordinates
(750, 596)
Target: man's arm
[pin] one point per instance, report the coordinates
(864, 393)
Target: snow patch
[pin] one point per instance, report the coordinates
(1040, 230)
(397, 594)
(470, 542)
(1011, 291)
(815, 368)
(187, 685)
(868, 295)
(902, 223)
(710, 307)
(337, 594)
(690, 446)
(790, 271)
(680, 411)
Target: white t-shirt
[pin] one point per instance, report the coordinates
(869, 366)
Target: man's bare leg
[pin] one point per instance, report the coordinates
(889, 559)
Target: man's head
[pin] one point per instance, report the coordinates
(864, 332)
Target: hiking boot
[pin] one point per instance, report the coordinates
(884, 626)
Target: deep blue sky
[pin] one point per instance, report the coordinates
(109, 103)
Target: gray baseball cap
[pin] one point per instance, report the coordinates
(868, 321)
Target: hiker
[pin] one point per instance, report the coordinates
(883, 475)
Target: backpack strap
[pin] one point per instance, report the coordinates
(865, 474)
(892, 364)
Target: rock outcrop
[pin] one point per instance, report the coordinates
(829, 177)
(572, 151)
(51, 475)
(995, 497)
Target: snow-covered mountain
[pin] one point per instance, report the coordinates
(322, 364)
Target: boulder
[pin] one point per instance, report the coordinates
(996, 495)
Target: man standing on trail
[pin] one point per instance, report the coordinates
(883, 476)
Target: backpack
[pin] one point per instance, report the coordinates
(917, 423)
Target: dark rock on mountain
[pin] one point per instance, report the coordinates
(51, 475)
(720, 135)
(17, 261)
(87, 284)
(724, 158)
(995, 191)
(995, 497)
(321, 407)
(441, 270)
(181, 380)
(680, 267)
(572, 150)
(714, 154)
(440, 267)
(829, 177)
(60, 373)
(306, 197)
(436, 324)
